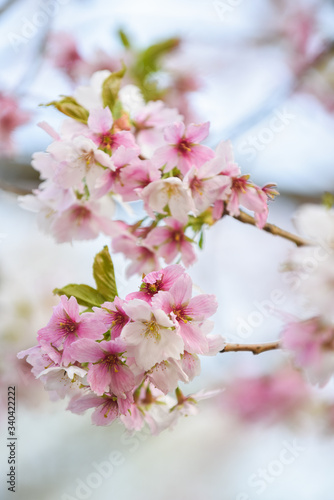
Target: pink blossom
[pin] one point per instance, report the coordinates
(64, 53)
(152, 407)
(77, 159)
(152, 334)
(206, 185)
(155, 281)
(166, 375)
(106, 407)
(144, 259)
(11, 117)
(113, 316)
(266, 397)
(81, 221)
(183, 150)
(39, 359)
(188, 312)
(224, 157)
(169, 192)
(107, 371)
(65, 327)
(170, 240)
(312, 344)
(150, 121)
(250, 196)
(111, 180)
(135, 177)
(100, 123)
(190, 365)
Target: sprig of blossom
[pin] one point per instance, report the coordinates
(124, 356)
(115, 147)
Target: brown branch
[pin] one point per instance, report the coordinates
(10, 188)
(275, 230)
(254, 348)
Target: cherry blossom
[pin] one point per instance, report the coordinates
(65, 327)
(170, 240)
(155, 281)
(189, 313)
(107, 371)
(152, 335)
(171, 193)
(183, 150)
(11, 117)
(311, 342)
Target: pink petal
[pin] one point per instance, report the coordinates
(173, 133)
(202, 306)
(86, 350)
(80, 404)
(182, 290)
(99, 378)
(193, 338)
(196, 133)
(100, 120)
(106, 413)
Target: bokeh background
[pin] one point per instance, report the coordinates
(244, 63)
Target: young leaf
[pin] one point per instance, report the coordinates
(111, 86)
(85, 295)
(104, 274)
(124, 39)
(70, 107)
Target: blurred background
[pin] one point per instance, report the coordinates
(262, 72)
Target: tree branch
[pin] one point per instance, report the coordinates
(10, 188)
(275, 230)
(254, 348)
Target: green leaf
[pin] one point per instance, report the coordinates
(85, 295)
(104, 274)
(111, 86)
(124, 39)
(201, 240)
(70, 107)
(117, 110)
(149, 58)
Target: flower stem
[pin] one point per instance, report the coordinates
(254, 348)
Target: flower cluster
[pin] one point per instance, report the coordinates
(311, 272)
(124, 357)
(116, 147)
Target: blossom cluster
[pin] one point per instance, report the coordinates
(124, 357)
(117, 148)
(311, 271)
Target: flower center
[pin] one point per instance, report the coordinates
(107, 141)
(184, 147)
(152, 330)
(68, 327)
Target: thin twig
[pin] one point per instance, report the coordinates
(254, 348)
(275, 230)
